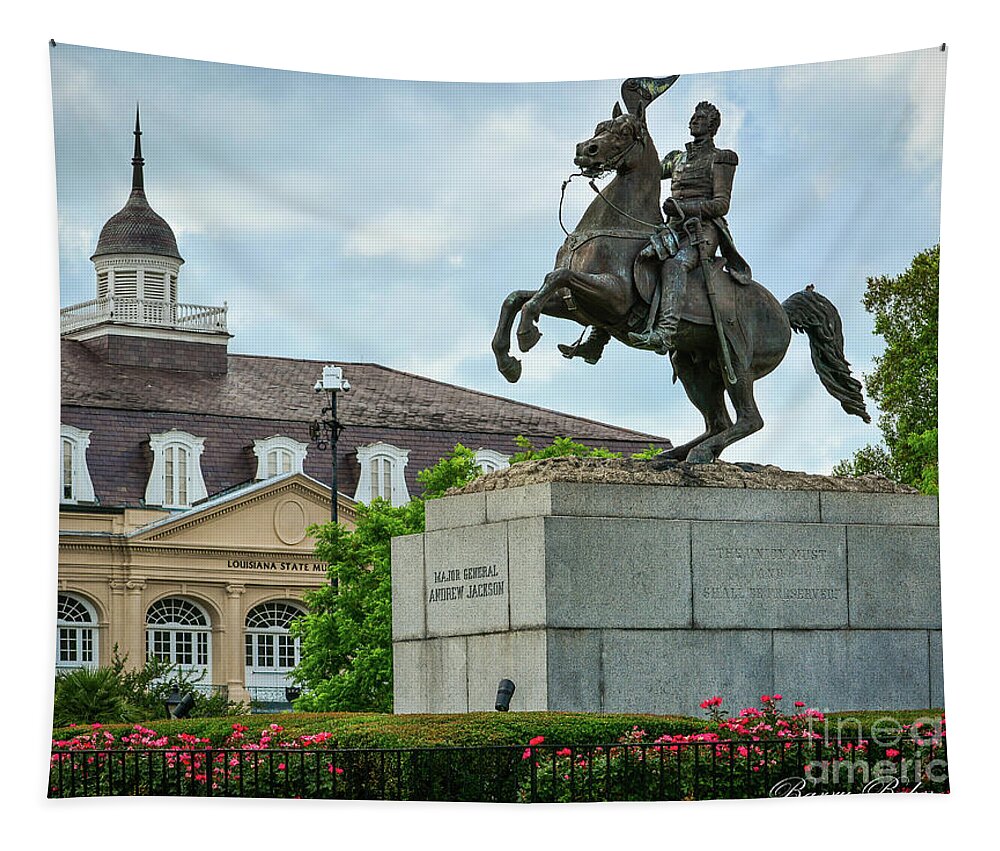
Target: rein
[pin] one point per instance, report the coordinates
(562, 197)
(619, 210)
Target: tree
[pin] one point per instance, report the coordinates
(904, 381)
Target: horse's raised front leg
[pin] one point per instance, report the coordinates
(606, 294)
(748, 421)
(510, 367)
(528, 334)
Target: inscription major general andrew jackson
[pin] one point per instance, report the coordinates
(467, 588)
(466, 582)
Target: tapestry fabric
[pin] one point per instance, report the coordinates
(550, 442)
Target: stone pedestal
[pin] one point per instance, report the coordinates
(646, 598)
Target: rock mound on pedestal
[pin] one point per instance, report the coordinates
(632, 471)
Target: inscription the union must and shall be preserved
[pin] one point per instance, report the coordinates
(462, 584)
(768, 573)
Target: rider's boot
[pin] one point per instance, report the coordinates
(591, 349)
(660, 337)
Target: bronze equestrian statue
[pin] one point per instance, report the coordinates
(722, 329)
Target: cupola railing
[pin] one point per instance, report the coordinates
(141, 311)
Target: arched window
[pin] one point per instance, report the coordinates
(490, 460)
(175, 480)
(271, 653)
(76, 633)
(269, 647)
(74, 477)
(382, 466)
(278, 455)
(179, 632)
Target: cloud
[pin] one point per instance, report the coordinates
(503, 170)
(414, 236)
(882, 103)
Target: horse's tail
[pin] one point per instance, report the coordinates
(810, 312)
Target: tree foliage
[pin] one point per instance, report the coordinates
(905, 379)
(560, 446)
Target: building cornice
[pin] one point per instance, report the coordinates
(123, 329)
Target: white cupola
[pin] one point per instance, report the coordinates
(136, 312)
(136, 260)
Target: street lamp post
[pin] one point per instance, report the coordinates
(327, 429)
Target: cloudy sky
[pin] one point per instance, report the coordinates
(357, 219)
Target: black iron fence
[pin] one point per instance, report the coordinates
(542, 773)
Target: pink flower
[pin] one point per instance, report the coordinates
(537, 740)
(765, 698)
(777, 697)
(891, 753)
(564, 752)
(799, 703)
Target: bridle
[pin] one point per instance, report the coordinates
(609, 166)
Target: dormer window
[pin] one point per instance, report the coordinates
(382, 466)
(176, 480)
(278, 455)
(489, 460)
(74, 478)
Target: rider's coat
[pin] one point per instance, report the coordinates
(701, 184)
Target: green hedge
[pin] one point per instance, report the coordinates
(360, 730)
(371, 730)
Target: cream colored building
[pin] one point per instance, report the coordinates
(210, 589)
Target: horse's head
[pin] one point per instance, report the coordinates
(617, 144)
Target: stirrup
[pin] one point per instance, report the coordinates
(568, 351)
(642, 340)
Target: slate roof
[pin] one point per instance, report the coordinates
(274, 388)
(137, 229)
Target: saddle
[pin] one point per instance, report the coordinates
(733, 301)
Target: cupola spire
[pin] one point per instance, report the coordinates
(137, 160)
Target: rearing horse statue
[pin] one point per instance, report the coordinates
(598, 281)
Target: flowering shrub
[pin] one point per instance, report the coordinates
(98, 762)
(759, 752)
